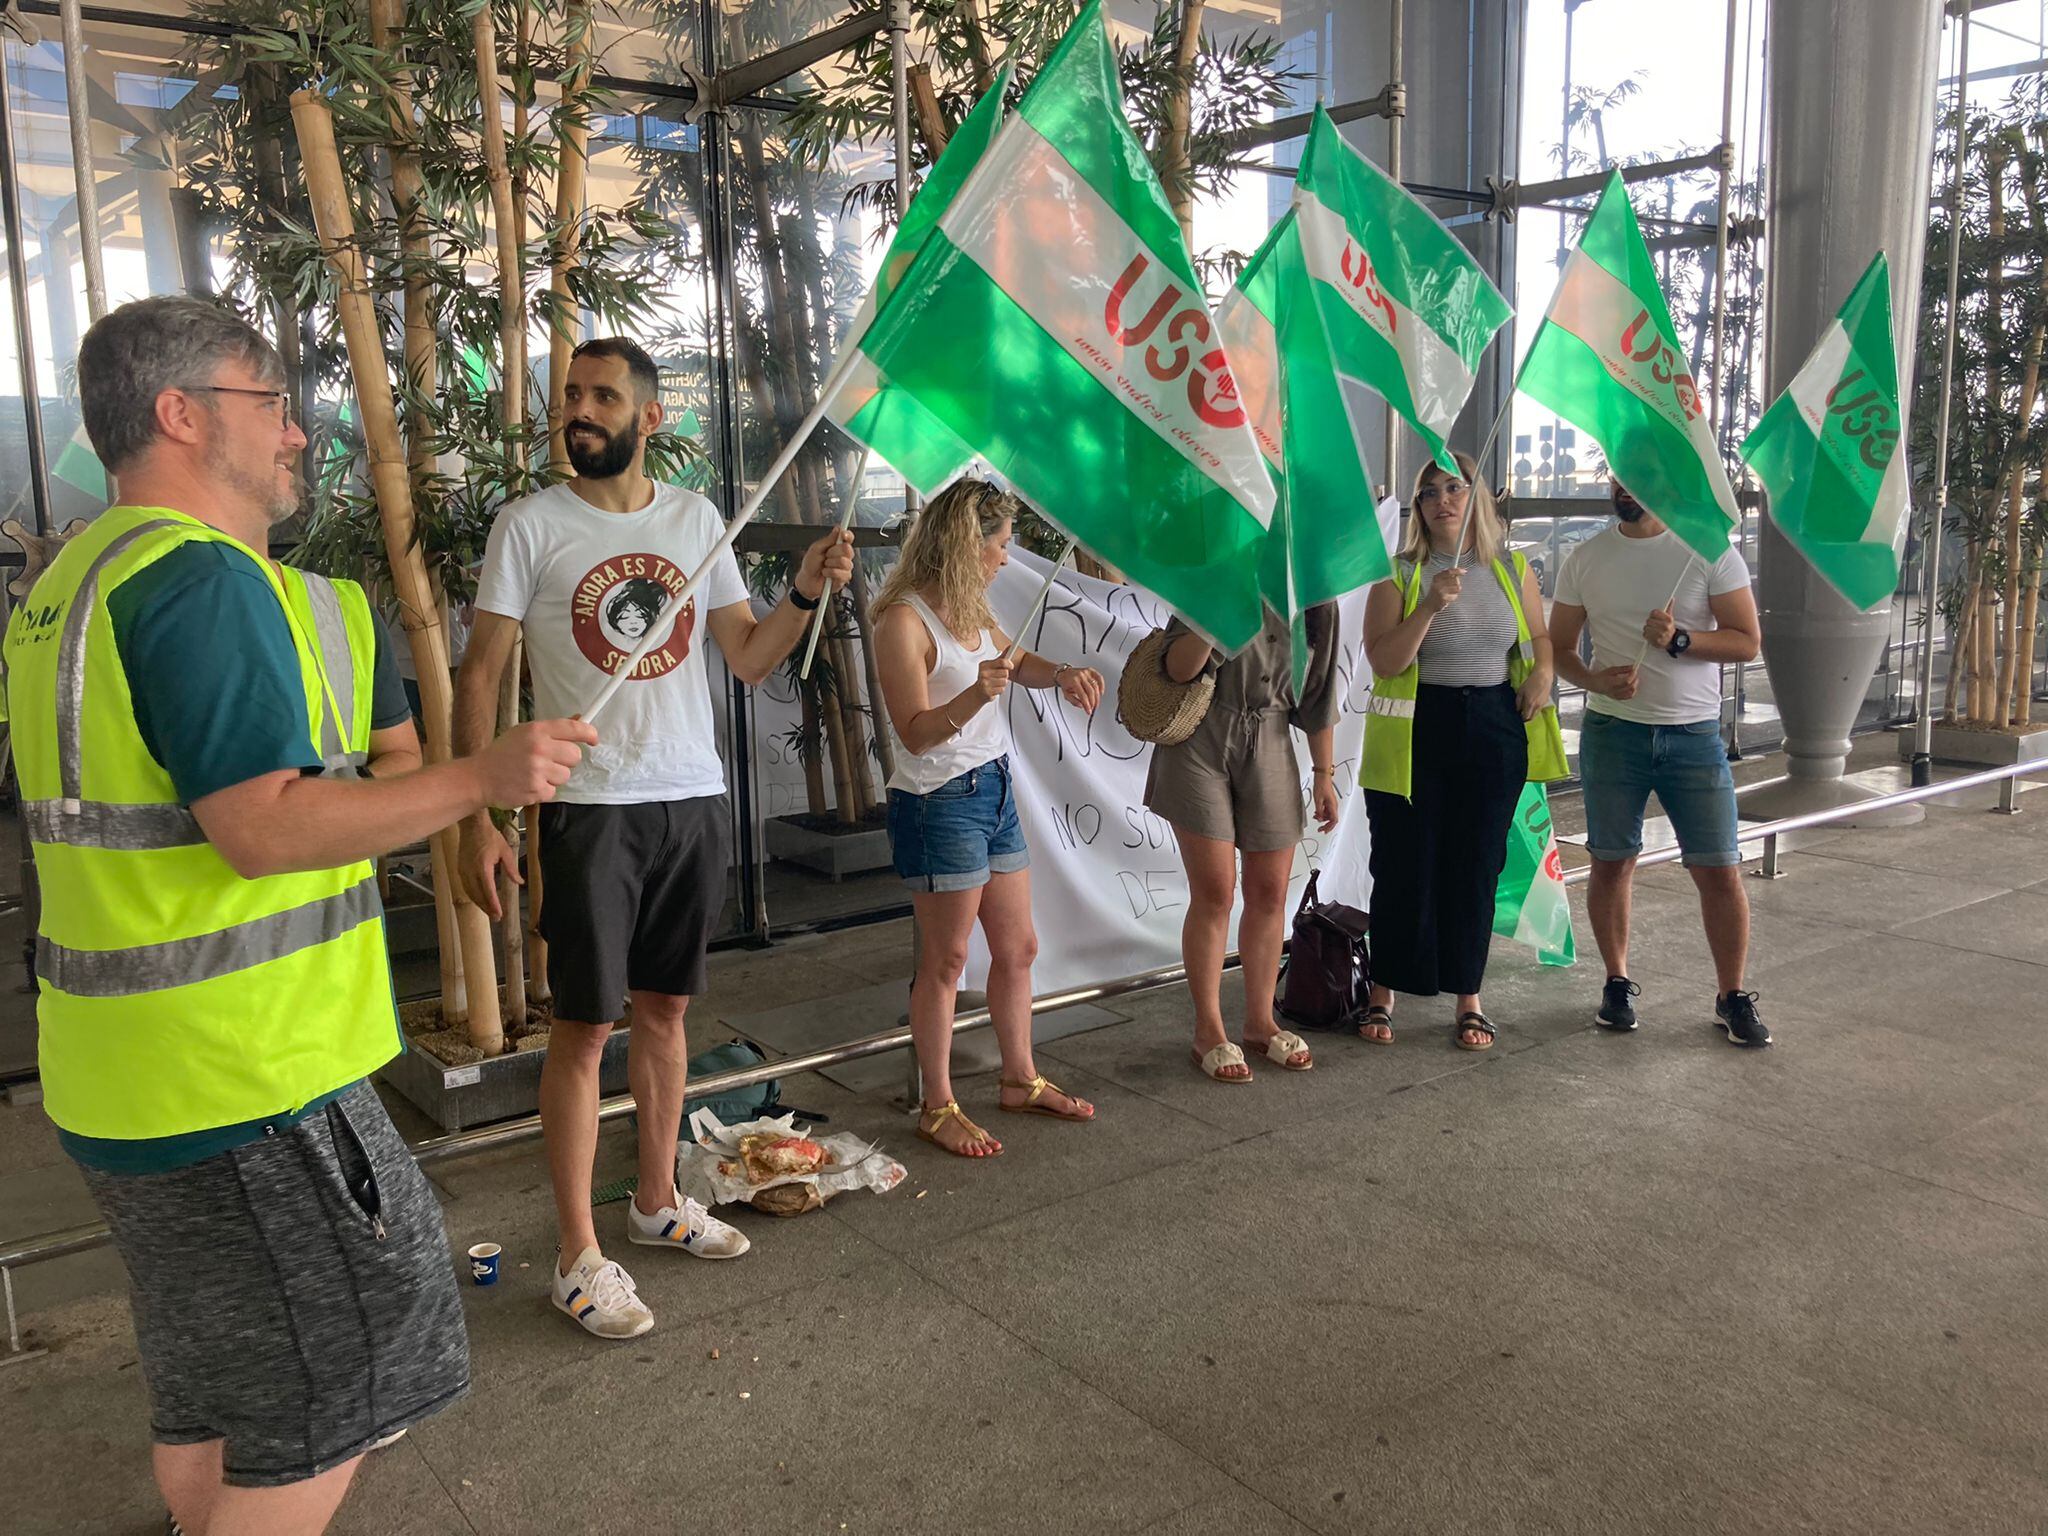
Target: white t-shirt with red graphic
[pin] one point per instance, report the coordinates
(586, 585)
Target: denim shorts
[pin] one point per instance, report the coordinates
(954, 838)
(1622, 761)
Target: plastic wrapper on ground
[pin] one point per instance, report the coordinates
(710, 1166)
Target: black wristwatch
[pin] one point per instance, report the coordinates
(1681, 642)
(805, 603)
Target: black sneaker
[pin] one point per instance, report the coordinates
(1739, 1019)
(1616, 1011)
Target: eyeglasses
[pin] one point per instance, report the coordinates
(283, 397)
(1429, 493)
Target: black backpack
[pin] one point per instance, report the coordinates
(1323, 984)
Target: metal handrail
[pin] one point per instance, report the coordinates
(52, 1245)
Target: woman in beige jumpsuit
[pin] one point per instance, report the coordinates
(1232, 793)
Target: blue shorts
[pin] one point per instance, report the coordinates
(954, 838)
(1622, 761)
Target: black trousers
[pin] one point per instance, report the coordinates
(1436, 858)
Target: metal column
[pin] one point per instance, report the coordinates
(78, 109)
(1462, 137)
(1851, 139)
(17, 277)
(1937, 515)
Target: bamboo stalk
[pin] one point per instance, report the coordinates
(924, 100)
(1985, 657)
(536, 889)
(522, 113)
(857, 595)
(447, 887)
(2022, 694)
(811, 736)
(977, 45)
(511, 930)
(474, 999)
(852, 717)
(1987, 648)
(519, 936)
(1959, 642)
(844, 796)
(2016, 655)
(392, 483)
(1986, 660)
(447, 936)
(1176, 170)
(511, 260)
(572, 139)
(408, 197)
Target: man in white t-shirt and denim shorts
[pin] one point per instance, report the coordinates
(1653, 723)
(635, 853)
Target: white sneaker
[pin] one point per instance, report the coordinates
(688, 1226)
(600, 1296)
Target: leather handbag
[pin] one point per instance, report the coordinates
(1329, 964)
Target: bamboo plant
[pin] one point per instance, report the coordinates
(362, 172)
(1997, 523)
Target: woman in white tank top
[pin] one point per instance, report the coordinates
(953, 828)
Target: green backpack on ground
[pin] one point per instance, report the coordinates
(749, 1103)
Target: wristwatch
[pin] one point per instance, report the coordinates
(1681, 642)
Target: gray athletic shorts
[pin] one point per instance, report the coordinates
(274, 1310)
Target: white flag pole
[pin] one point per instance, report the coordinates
(658, 633)
(1690, 556)
(1044, 592)
(860, 471)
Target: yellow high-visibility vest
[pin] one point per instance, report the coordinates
(177, 996)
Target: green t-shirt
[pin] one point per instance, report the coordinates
(218, 700)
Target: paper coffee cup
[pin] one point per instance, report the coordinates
(483, 1263)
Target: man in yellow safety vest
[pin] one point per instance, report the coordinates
(214, 986)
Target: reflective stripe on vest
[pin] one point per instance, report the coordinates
(204, 956)
(71, 819)
(330, 632)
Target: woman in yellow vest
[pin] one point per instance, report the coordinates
(1460, 718)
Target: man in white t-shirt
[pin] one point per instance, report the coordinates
(635, 853)
(1653, 723)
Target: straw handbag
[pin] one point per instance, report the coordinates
(1152, 706)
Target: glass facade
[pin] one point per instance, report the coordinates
(766, 246)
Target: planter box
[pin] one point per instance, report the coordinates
(456, 1098)
(1982, 749)
(837, 853)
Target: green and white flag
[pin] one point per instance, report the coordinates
(1529, 904)
(1607, 359)
(1053, 324)
(1409, 312)
(1827, 450)
(79, 466)
(1324, 539)
(927, 454)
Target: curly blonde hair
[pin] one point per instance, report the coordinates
(1488, 536)
(942, 554)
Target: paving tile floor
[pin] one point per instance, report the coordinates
(1583, 1284)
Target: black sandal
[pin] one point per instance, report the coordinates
(1479, 1022)
(1377, 1015)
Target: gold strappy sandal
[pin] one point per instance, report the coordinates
(1035, 1090)
(951, 1110)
